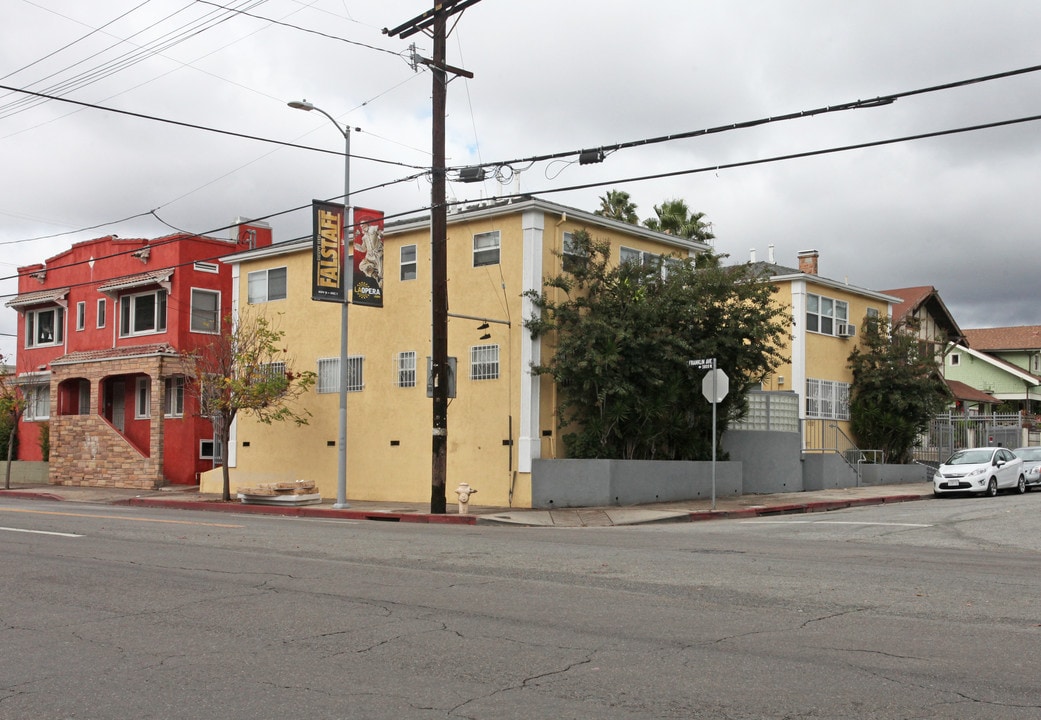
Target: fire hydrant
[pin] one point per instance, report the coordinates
(464, 491)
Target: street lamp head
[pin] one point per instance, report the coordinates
(300, 105)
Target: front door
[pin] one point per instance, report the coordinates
(119, 405)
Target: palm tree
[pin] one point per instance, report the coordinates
(617, 205)
(675, 218)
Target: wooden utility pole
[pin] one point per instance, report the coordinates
(436, 21)
(439, 276)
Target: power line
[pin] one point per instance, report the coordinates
(302, 29)
(853, 105)
(194, 126)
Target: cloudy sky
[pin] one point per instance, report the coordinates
(957, 211)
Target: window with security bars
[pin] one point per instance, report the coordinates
(405, 377)
(484, 362)
(329, 375)
(827, 399)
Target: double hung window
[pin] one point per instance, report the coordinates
(142, 314)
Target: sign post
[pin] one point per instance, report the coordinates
(714, 386)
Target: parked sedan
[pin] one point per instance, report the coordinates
(1031, 464)
(980, 470)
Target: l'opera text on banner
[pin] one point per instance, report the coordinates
(368, 258)
(327, 282)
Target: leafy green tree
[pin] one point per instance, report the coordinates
(896, 391)
(618, 205)
(624, 335)
(12, 405)
(246, 370)
(675, 218)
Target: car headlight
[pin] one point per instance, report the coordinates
(977, 471)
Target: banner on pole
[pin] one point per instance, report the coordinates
(327, 268)
(367, 284)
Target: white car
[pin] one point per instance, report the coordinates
(1031, 464)
(980, 470)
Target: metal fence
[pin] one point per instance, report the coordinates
(953, 431)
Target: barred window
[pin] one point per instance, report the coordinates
(406, 369)
(329, 374)
(827, 399)
(484, 362)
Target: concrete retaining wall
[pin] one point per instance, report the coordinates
(26, 472)
(894, 474)
(593, 483)
(772, 461)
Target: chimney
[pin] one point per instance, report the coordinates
(251, 233)
(808, 261)
(770, 254)
(751, 255)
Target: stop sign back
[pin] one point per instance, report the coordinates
(715, 386)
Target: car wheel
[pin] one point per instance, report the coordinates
(1021, 487)
(992, 487)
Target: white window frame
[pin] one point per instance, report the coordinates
(174, 397)
(102, 313)
(258, 285)
(409, 268)
(572, 256)
(32, 327)
(824, 314)
(143, 398)
(484, 362)
(128, 313)
(207, 324)
(81, 315)
(405, 369)
(37, 401)
(215, 450)
(487, 248)
(329, 374)
(827, 399)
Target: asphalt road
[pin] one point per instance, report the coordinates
(916, 610)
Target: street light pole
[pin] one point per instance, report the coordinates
(341, 442)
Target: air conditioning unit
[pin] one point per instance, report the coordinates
(845, 329)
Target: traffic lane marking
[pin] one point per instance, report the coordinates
(832, 522)
(40, 532)
(118, 517)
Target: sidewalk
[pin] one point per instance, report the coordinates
(742, 506)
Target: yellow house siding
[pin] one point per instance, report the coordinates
(495, 426)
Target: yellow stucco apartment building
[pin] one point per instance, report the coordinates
(502, 417)
(827, 319)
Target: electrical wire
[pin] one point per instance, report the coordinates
(302, 29)
(127, 59)
(194, 126)
(852, 105)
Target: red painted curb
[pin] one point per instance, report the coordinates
(28, 495)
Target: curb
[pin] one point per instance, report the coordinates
(303, 511)
(29, 495)
(799, 508)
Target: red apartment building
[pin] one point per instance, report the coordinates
(101, 330)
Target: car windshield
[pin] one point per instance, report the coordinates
(1033, 453)
(970, 457)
